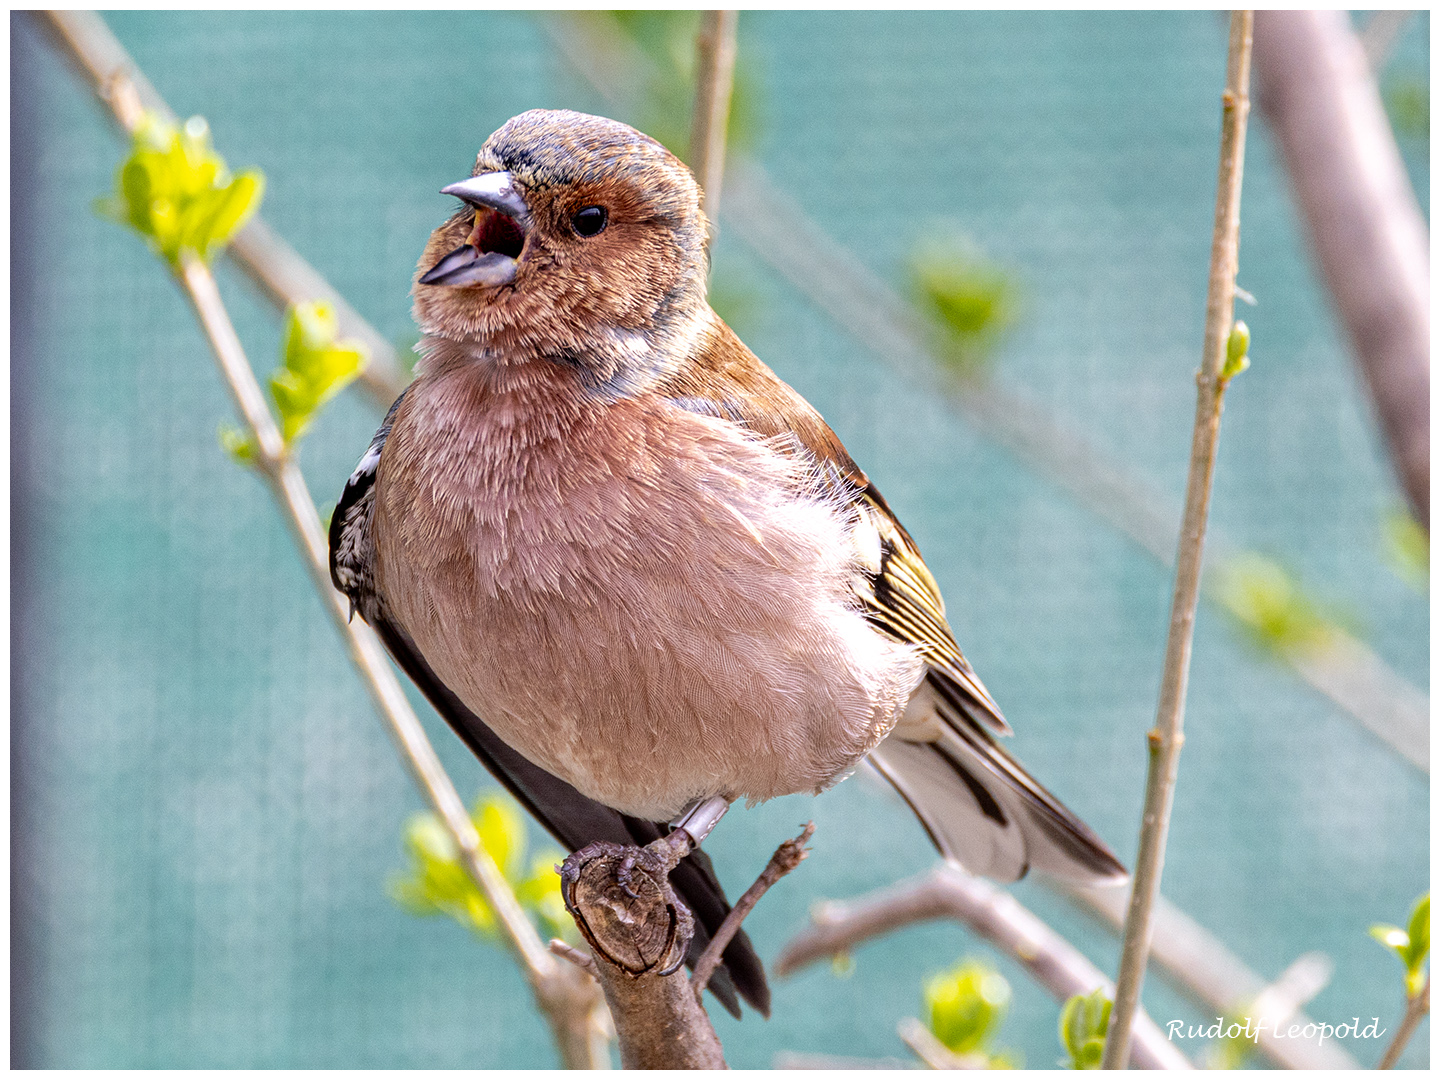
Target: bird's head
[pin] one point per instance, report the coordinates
(579, 239)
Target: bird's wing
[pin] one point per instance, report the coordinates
(980, 806)
(572, 818)
(897, 592)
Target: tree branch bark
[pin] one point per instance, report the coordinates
(639, 931)
(1315, 87)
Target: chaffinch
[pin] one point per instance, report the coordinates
(599, 522)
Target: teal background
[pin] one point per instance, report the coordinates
(205, 808)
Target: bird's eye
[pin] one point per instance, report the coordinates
(589, 221)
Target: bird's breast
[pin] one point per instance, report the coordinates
(650, 603)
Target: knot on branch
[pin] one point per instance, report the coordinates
(623, 904)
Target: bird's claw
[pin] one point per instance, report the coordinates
(623, 872)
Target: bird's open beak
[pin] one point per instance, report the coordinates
(502, 220)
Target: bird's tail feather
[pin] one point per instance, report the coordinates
(979, 805)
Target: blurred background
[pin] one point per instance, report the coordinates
(205, 810)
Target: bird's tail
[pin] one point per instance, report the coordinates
(981, 808)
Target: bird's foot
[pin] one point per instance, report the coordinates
(622, 902)
(621, 898)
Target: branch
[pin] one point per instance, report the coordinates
(1167, 736)
(932, 1051)
(714, 80)
(1316, 88)
(1416, 1009)
(787, 857)
(282, 275)
(639, 932)
(949, 893)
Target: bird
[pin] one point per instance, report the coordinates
(636, 572)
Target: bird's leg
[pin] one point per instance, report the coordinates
(687, 832)
(701, 818)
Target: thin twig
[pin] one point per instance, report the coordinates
(582, 960)
(787, 856)
(714, 81)
(989, 911)
(1415, 1009)
(1168, 736)
(932, 1051)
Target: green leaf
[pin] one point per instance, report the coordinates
(1237, 351)
(1407, 548)
(237, 444)
(1271, 605)
(970, 300)
(1392, 937)
(176, 192)
(1083, 1023)
(314, 367)
(1407, 100)
(1412, 945)
(966, 1005)
(1419, 945)
(436, 883)
(234, 205)
(539, 892)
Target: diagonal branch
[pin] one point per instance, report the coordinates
(1416, 1009)
(787, 857)
(1317, 90)
(282, 275)
(564, 994)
